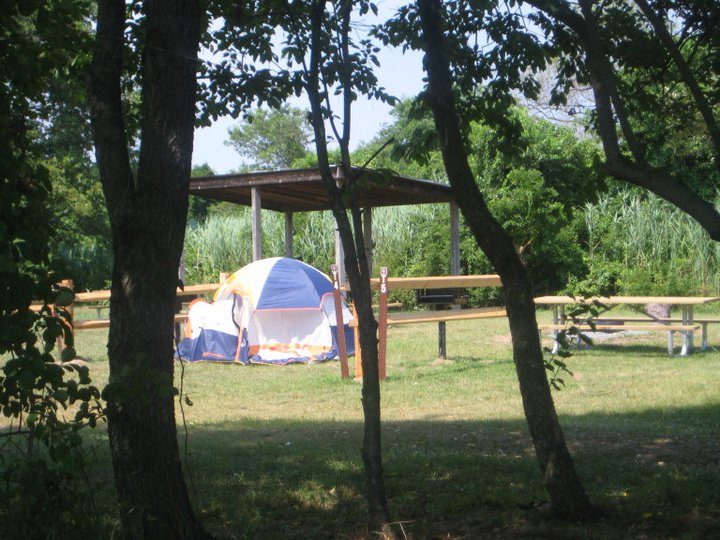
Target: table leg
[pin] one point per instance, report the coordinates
(687, 319)
(558, 317)
(442, 343)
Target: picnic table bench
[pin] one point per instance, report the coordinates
(686, 325)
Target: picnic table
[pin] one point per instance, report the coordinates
(686, 324)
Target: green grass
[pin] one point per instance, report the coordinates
(274, 452)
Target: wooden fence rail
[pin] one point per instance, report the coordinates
(384, 284)
(93, 297)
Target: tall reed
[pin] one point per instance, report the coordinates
(661, 248)
(403, 240)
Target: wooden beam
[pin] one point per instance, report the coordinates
(415, 317)
(440, 282)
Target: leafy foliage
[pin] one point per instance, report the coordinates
(43, 476)
(491, 54)
(536, 191)
(76, 204)
(274, 139)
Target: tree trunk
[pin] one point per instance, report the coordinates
(147, 215)
(357, 267)
(566, 491)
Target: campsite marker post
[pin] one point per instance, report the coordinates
(340, 323)
(382, 324)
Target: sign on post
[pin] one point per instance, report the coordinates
(382, 324)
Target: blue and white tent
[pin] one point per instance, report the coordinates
(273, 311)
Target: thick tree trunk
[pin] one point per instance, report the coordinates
(148, 223)
(566, 491)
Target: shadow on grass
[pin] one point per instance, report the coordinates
(458, 479)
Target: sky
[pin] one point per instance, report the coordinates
(400, 74)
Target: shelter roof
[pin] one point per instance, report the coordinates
(302, 190)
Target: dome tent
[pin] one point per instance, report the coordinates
(272, 311)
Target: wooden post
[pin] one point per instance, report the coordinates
(223, 277)
(358, 348)
(382, 325)
(289, 234)
(442, 344)
(340, 324)
(367, 236)
(339, 258)
(256, 205)
(454, 239)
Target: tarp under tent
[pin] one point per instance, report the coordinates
(273, 311)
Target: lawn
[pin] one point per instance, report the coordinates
(274, 452)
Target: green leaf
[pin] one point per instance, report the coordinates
(68, 354)
(64, 297)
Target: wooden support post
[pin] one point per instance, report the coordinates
(340, 324)
(454, 254)
(454, 239)
(339, 258)
(367, 236)
(289, 234)
(442, 344)
(256, 206)
(382, 325)
(358, 348)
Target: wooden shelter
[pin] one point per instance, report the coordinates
(302, 190)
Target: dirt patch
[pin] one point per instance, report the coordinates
(442, 362)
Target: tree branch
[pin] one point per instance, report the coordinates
(605, 84)
(610, 106)
(106, 107)
(686, 73)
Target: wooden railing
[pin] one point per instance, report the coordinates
(385, 319)
(95, 297)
